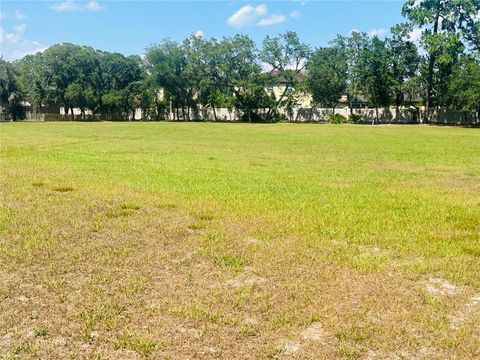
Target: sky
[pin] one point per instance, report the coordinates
(130, 26)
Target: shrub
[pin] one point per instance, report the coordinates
(252, 117)
(337, 119)
(354, 118)
(278, 117)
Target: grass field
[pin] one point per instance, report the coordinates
(201, 240)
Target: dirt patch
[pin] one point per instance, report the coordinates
(251, 241)
(442, 287)
(290, 348)
(246, 280)
(314, 332)
(475, 300)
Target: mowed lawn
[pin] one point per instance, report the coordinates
(203, 240)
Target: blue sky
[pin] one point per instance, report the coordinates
(129, 27)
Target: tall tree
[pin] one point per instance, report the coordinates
(327, 76)
(353, 45)
(465, 85)
(404, 63)
(10, 96)
(443, 23)
(80, 97)
(34, 80)
(212, 83)
(168, 65)
(374, 74)
(287, 57)
(116, 72)
(113, 103)
(241, 71)
(67, 64)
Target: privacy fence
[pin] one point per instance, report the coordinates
(319, 115)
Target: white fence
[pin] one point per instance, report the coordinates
(385, 116)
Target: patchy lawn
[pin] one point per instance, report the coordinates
(201, 240)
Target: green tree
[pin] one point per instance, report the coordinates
(287, 57)
(327, 76)
(131, 99)
(10, 95)
(211, 81)
(241, 71)
(167, 63)
(465, 85)
(147, 98)
(116, 72)
(113, 103)
(352, 46)
(34, 80)
(404, 63)
(80, 97)
(374, 75)
(444, 24)
(67, 64)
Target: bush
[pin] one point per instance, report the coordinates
(253, 117)
(354, 118)
(280, 118)
(337, 119)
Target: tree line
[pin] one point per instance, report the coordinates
(443, 71)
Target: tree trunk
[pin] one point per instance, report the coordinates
(417, 111)
(376, 115)
(214, 112)
(397, 106)
(431, 64)
(268, 115)
(350, 102)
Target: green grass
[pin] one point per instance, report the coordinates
(323, 213)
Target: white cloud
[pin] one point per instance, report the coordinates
(93, 6)
(17, 34)
(72, 6)
(376, 32)
(295, 14)
(66, 6)
(302, 2)
(24, 48)
(249, 15)
(19, 15)
(272, 20)
(199, 33)
(15, 45)
(20, 29)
